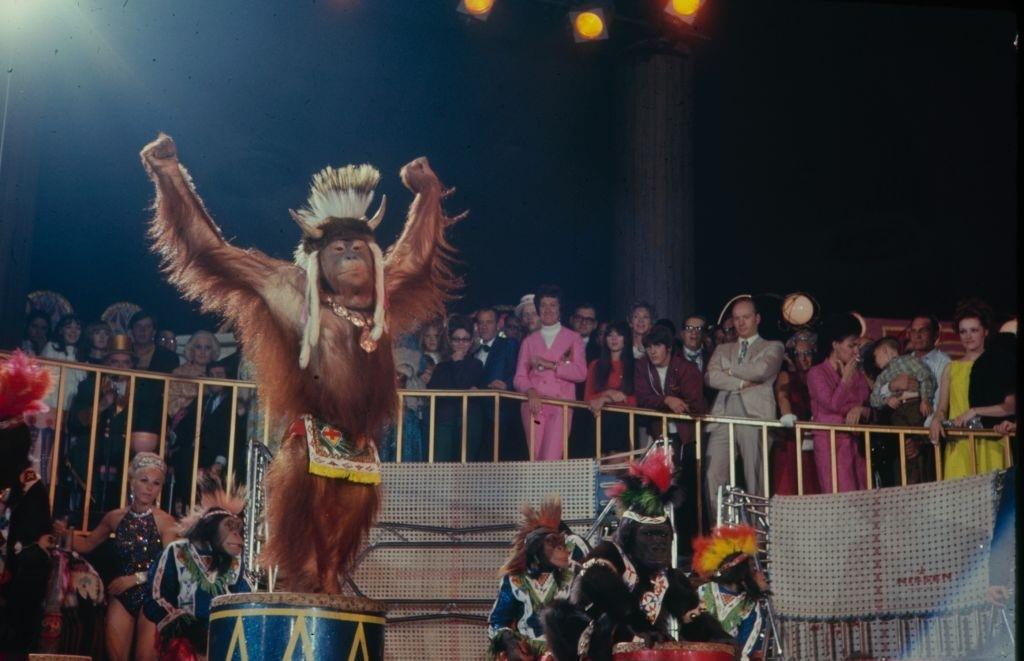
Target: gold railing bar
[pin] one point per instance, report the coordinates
(1007, 454)
(97, 384)
(532, 435)
(700, 476)
(163, 424)
(57, 428)
(127, 440)
(937, 448)
(621, 455)
(903, 459)
(765, 459)
(732, 456)
(497, 424)
(465, 425)
(598, 423)
(195, 452)
(799, 440)
(430, 434)
(565, 432)
(973, 450)
(664, 426)
(632, 431)
(232, 429)
(400, 428)
(868, 472)
(835, 473)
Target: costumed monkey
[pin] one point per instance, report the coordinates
(540, 569)
(192, 571)
(735, 588)
(319, 333)
(627, 589)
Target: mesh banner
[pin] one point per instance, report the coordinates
(432, 542)
(889, 572)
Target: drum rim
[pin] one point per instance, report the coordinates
(338, 602)
(636, 646)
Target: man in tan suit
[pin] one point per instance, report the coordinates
(743, 372)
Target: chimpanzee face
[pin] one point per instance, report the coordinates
(556, 551)
(652, 545)
(229, 536)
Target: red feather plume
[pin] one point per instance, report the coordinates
(656, 471)
(23, 384)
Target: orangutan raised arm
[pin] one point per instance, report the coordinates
(224, 279)
(418, 273)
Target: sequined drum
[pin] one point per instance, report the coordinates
(675, 651)
(288, 625)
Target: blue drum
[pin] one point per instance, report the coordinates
(287, 625)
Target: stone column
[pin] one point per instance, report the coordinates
(653, 251)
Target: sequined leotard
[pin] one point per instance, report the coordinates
(138, 544)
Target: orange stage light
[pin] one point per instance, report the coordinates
(478, 9)
(684, 10)
(589, 25)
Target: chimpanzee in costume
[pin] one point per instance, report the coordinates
(545, 556)
(627, 589)
(319, 332)
(735, 588)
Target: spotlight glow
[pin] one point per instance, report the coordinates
(589, 25)
(684, 10)
(478, 9)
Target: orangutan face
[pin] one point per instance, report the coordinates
(347, 268)
(652, 546)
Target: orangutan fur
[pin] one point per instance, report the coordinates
(316, 524)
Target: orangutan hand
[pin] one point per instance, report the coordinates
(418, 177)
(161, 155)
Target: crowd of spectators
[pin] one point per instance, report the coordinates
(830, 374)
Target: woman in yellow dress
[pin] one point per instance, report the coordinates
(973, 320)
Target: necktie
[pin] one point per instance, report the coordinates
(743, 351)
(485, 348)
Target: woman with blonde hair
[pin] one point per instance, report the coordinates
(141, 531)
(200, 350)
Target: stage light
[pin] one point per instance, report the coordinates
(478, 9)
(798, 309)
(684, 10)
(863, 323)
(589, 25)
(1009, 327)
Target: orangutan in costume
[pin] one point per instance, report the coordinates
(319, 332)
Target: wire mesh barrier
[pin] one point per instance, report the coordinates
(84, 444)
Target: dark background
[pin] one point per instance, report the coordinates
(865, 153)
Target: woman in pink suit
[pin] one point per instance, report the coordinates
(551, 363)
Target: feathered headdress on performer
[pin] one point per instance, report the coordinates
(23, 385)
(336, 209)
(726, 547)
(214, 503)
(535, 527)
(646, 489)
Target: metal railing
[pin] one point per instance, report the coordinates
(500, 426)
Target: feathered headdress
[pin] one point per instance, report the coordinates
(646, 489)
(724, 548)
(535, 524)
(214, 500)
(23, 385)
(336, 209)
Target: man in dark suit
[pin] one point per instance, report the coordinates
(498, 355)
(584, 432)
(695, 349)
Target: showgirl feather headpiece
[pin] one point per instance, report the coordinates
(535, 523)
(214, 500)
(23, 385)
(643, 493)
(724, 548)
(336, 209)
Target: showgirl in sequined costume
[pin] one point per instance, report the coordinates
(141, 531)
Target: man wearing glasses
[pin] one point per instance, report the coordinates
(584, 322)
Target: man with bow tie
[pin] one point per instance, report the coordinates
(498, 355)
